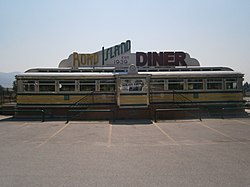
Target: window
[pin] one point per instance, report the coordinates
(214, 84)
(46, 86)
(67, 86)
(157, 84)
(195, 84)
(29, 86)
(231, 84)
(176, 84)
(87, 85)
(107, 85)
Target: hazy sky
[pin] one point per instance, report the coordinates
(40, 33)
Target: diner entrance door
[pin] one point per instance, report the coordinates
(132, 91)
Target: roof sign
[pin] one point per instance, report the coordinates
(120, 56)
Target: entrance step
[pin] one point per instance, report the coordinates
(133, 122)
(134, 106)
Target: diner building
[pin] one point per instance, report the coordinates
(115, 83)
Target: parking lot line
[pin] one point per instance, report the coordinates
(20, 127)
(166, 134)
(53, 135)
(242, 122)
(110, 135)
(221, 133)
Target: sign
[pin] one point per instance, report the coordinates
(132, 85)
(120, 56)
(116, 51)
(161, 59)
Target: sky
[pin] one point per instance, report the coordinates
(35, 33)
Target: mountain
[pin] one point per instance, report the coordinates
(6, 79)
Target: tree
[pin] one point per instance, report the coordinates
(14, 86)
(1, 89)
(246, 87)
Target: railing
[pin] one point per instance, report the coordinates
(234, 109)
(91, 111)
(26, 111)
(177, 107)
(157, 110)
(183, 97)
(72, 106)
(7, 97)
(82, 99)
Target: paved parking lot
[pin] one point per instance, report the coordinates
(212, 152)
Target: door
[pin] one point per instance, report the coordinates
(132, 92)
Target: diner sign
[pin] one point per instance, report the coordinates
(120, 56)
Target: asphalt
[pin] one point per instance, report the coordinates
(207, 153)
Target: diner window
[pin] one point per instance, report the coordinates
(87, 85)
(29, 86)
(67, 86)
(214, 84)
(157, 84)
(195, 84)
(231, 84)
(46, 86)
(107, 85)
(176, 84)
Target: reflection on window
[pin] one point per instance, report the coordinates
(67, 86)
(176, 84)
(157, 84)
(195, 84)
(29, 86)
(133, 85)
(231, 84)
(46, 86)
(214, 84)
(87, 85)
(107, 85)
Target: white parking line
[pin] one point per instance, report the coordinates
(110, 135)
(166, 134)
(242, 122)
(223, 134)
(19, 127)
(57, 132)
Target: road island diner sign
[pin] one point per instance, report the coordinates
(120, 56)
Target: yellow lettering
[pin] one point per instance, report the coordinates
(76, 60)
(85, 59)
(95, 58)
(89, 59)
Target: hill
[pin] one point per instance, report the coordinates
(6, 79)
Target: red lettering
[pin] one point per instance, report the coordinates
(157, 59)
(141, 59)
(150, 59)
(161, 59)
(180, 59)
(169, 59)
